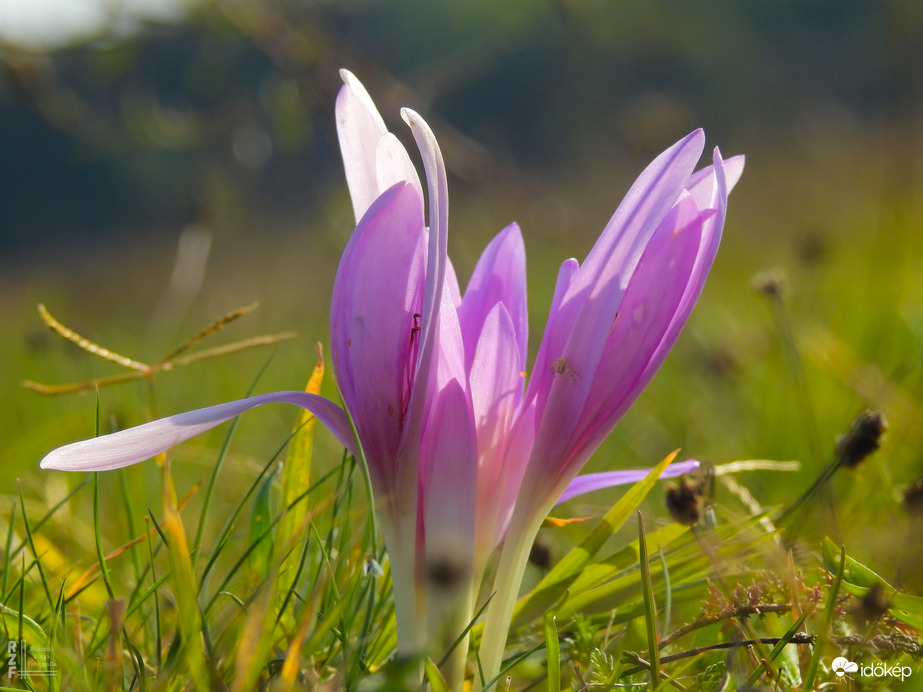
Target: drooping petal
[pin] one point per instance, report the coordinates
(360, 127)
(607, 479)
(137, 444)
(374, 318)
(498, 277)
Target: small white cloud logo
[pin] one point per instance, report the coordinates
(841, 666)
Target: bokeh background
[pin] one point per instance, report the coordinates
(136, 133)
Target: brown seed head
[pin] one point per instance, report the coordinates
(770, 283)
(913, 498)
(863, 438)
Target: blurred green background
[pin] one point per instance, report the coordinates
(213, 122)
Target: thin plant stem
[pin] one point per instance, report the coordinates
(796, 367)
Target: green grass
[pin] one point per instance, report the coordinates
(249, 559)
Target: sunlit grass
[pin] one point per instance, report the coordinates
(249, 559)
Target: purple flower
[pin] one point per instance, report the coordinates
(464, 449)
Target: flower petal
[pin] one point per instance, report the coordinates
(374, 318)
(359, 128)
(583, 405)
(702, 184)
(585, 314)
(647, 325)
(393, 165)
(448, 474)
(136, 444)
(436, 263)
(498, 277)
(496, 386)
(606, 479)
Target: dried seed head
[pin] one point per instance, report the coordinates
(863, 438)
(686, 502)
(872, 605)
(913, 498)
(770, 283)
(540, 555)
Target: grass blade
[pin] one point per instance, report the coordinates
(219, 462)
(650, 606)
(829, 611)
(184, 586)
(777, 649)
(553, 652)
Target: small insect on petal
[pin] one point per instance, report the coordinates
(562, 367)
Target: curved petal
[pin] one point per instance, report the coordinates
(137, 444)
(436, 261)
(498, 277)
(607, 479)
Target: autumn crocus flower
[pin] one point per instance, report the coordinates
(462, 453)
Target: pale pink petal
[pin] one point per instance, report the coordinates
(448, 477)
(498, 277)
(703, 185)
(585, 314)
(150, 439)
(450, 349)
(359, 129)
(393, 165)
(655, 291)
(451, 283)
(496, 389)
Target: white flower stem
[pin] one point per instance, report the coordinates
(446, 631)
(514, 557)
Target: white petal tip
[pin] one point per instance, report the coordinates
(346, 75)
(410, 116)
